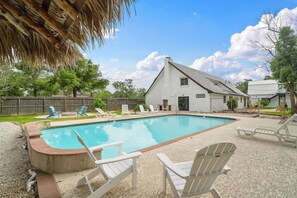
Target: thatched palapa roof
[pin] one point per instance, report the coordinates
(51, 31)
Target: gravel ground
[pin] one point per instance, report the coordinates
(14, 161)
(260, 167)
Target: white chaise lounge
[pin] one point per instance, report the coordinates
(197, 177)
(114, 170)
(152, 109)
(282, 132)
(142, 111)
(103, 113)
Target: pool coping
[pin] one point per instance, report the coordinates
(43, 151)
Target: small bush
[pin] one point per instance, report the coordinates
(265, 102)
(98, 103)
(232, 104)
(136, 108)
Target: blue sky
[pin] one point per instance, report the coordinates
(207, 35)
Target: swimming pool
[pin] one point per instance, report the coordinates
(136, 133)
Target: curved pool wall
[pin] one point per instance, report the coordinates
(136, 134)
(55, 160)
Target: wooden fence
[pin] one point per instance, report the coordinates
(39, 105)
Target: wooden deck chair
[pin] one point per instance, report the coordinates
(197, 177)
(125, 110)
(142, 111)
(114, 170)
(285, 138)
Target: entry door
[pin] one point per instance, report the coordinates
(183, 103)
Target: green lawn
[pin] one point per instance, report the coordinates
(22, 119)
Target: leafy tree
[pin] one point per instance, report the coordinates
(124, 89)
(284, 63)
(139, 93)
(103, 94)
(267, 77)
(5, 79)
(84, 76)
(99, 103)
(243, 86)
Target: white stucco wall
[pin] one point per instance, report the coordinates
(153, 97)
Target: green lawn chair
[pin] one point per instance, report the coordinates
(52, 112)
(82, 111)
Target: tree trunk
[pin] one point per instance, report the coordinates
(292, 99)
(35, 92)
(74, 92)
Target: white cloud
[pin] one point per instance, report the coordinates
(114, 60)
(194, 13)
(153, 62)
(110, 34)
(241, 60)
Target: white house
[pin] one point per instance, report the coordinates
(178, 87)
(270, 90)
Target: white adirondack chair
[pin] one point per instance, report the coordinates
(103, 113)
(114, 170)
(197, 177)
(125, 110)
(152, 109)
(285, 138)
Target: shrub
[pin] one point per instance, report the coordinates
(232, 104)
(98, 103)
(264, 102)
(136, 108)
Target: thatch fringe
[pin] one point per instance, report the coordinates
(95, 18)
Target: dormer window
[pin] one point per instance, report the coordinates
(183, 81)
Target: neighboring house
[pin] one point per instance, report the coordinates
(178, 87)
(270, 90)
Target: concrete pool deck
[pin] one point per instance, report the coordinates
(260, 167)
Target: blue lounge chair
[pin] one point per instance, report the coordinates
(82, 111)
(52, 112)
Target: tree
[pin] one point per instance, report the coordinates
(284, 64)
(5, 76)
(84, 76)
(139, 93)
(243, 86)
(267, 77)
(124, 89)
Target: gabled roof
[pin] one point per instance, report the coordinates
(212, 84)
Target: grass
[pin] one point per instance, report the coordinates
(22, 119)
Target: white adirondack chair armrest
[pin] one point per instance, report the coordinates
(119, 143)
(119, 158)
(170, 165)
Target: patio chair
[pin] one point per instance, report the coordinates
(197, 177)
(125, 110)
(114, 170)
(142, 111)
(103, 113)
(52, 112)
(286, 138)
(82, 111)
(152, 109)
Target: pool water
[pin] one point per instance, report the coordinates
(135, 133)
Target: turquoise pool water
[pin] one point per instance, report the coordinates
(136, 133)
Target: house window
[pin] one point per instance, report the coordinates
(200, 95)
(183, 81)
(224, 99)
(240, 99)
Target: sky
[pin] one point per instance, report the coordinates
(214, 36)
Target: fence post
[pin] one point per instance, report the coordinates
(43, 105)
(19, 106)
(64, 104)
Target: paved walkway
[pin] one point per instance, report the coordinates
(261, 167)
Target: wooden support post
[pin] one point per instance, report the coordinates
(44, 15)
(41, 30)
